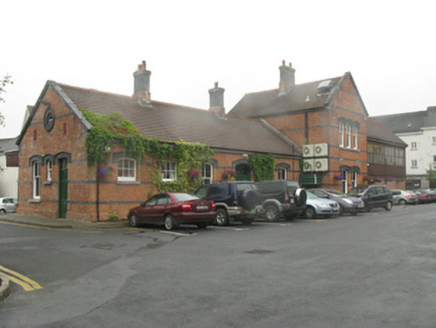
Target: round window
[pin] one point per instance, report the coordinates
(49, 119)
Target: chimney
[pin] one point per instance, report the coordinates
(142, 85)
(287, 78)
(216, 96)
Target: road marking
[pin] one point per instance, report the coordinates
(26, 283)
(229, 228)
(48, 228)
(179, 233)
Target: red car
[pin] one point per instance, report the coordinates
(173, 209)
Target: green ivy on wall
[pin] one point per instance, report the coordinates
(262, 166)
(108, 130)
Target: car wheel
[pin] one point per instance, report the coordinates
(388, 206)
(300, 196)
(310, 213)
(272, 213)
(221, 218)
(402, 202)
(170, 224)
(133, 220)
(201, 225)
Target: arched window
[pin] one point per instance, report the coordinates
(49, 169)
(126, 169)
(344, 174)
(282, 171)
(36, 182)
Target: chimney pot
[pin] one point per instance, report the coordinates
(216, 84)
(283, 62)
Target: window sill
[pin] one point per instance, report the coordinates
(35, 200)
(47, 182)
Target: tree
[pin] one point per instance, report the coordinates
(3, 83)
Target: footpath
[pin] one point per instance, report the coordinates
(5, 289)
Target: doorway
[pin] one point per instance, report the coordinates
(63, 188)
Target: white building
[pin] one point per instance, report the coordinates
(8, 174)
(418, 130)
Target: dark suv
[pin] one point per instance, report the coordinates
(234, 201)
(373, 196)
(281, 198)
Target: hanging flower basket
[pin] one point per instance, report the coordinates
(378, 180)
(338, 177)
(104, 170)
(365, 178)
(193, 173)
(228, 175)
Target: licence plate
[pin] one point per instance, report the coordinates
(202, 207)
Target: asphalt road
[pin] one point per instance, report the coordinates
(370, 270)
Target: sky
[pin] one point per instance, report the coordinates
(388, 46)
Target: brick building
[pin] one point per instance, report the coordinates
(328, 119)
(55, 179)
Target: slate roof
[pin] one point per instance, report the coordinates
(7, 145)
(379, 132)
(409, 122)
(172, 123)
(300, 97)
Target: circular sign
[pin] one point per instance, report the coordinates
(49, 119)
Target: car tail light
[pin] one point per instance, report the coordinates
(213, 206)
(409, 195)
(287, 200)
(236, 203)
(186, 207)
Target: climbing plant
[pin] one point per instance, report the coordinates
(108, 130)
(262, 166)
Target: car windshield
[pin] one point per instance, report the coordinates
(310, 195)
(184, 197)
(335, 192)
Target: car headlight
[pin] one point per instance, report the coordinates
(349, 201)
(325, 205)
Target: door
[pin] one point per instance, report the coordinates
(63, 188)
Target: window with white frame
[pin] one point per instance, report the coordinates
(126, 169)
(207, 173)
(344, 174)
(49, 169)
(168, 171)
(348, 136)
(413, 146)
(282, 173)
(341, 134)
(354, 179)
(355, 134)
(36, 183)
(414, 163)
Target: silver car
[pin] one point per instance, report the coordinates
(7, 205)
(403, 197)
(316, 206)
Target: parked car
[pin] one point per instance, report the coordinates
(316, 206)
(425, 196)
(373, 196)
(234, 201)
(281, 198)
(403, 197)
(172, 210)
(348, 204)
(7, 205)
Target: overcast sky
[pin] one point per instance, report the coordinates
(388, 46)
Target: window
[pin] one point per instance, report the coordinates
(282, 174)
(49, 170)
(348, 136)
(168, 171)
(434, 140)
(344, 174)
(126, 169)
(355, 134)
(341, 134)
(434, 158)
(36, 168)
(413, 146)
(414, 163)
(207, 173)
(354, 179)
